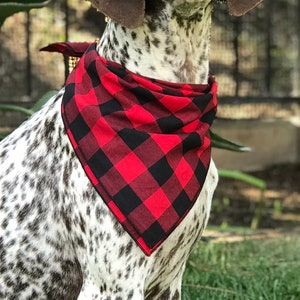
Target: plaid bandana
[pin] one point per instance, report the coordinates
(143, 143)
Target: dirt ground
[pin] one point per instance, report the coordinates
(235, 202)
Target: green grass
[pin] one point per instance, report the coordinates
(256, 269)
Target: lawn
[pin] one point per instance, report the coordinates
(252, 269)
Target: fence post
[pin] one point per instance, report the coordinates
(269, 42)
(28, 56)
(296, 42)
(237, 25)
(67, 24)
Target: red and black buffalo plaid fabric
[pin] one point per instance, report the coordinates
(143, 143)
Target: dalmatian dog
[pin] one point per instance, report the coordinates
(58, 239)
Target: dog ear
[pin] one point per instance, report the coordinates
(129, 13)
(240, 7)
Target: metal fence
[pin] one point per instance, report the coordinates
(253, 57)
(258, 54)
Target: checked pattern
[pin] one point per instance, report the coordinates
(143, 143)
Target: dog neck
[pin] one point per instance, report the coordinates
(172, 44)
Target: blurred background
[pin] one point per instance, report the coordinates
(256, 61)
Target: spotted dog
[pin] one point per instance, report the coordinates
(58, 237)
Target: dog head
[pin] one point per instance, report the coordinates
(131, 13)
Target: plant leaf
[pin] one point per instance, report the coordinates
(38, 105)
(28, 112)
(221, 143)
(10, 7)
(11, 107)
(252, 180)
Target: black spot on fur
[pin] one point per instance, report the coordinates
(49, 128)
(154, 8)
(133, 35)
(4, 223)
(166, 294)
(130, 295)
(176, 296)
(103, 288)
(153, 292)
(66, 220)
(23, 213)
